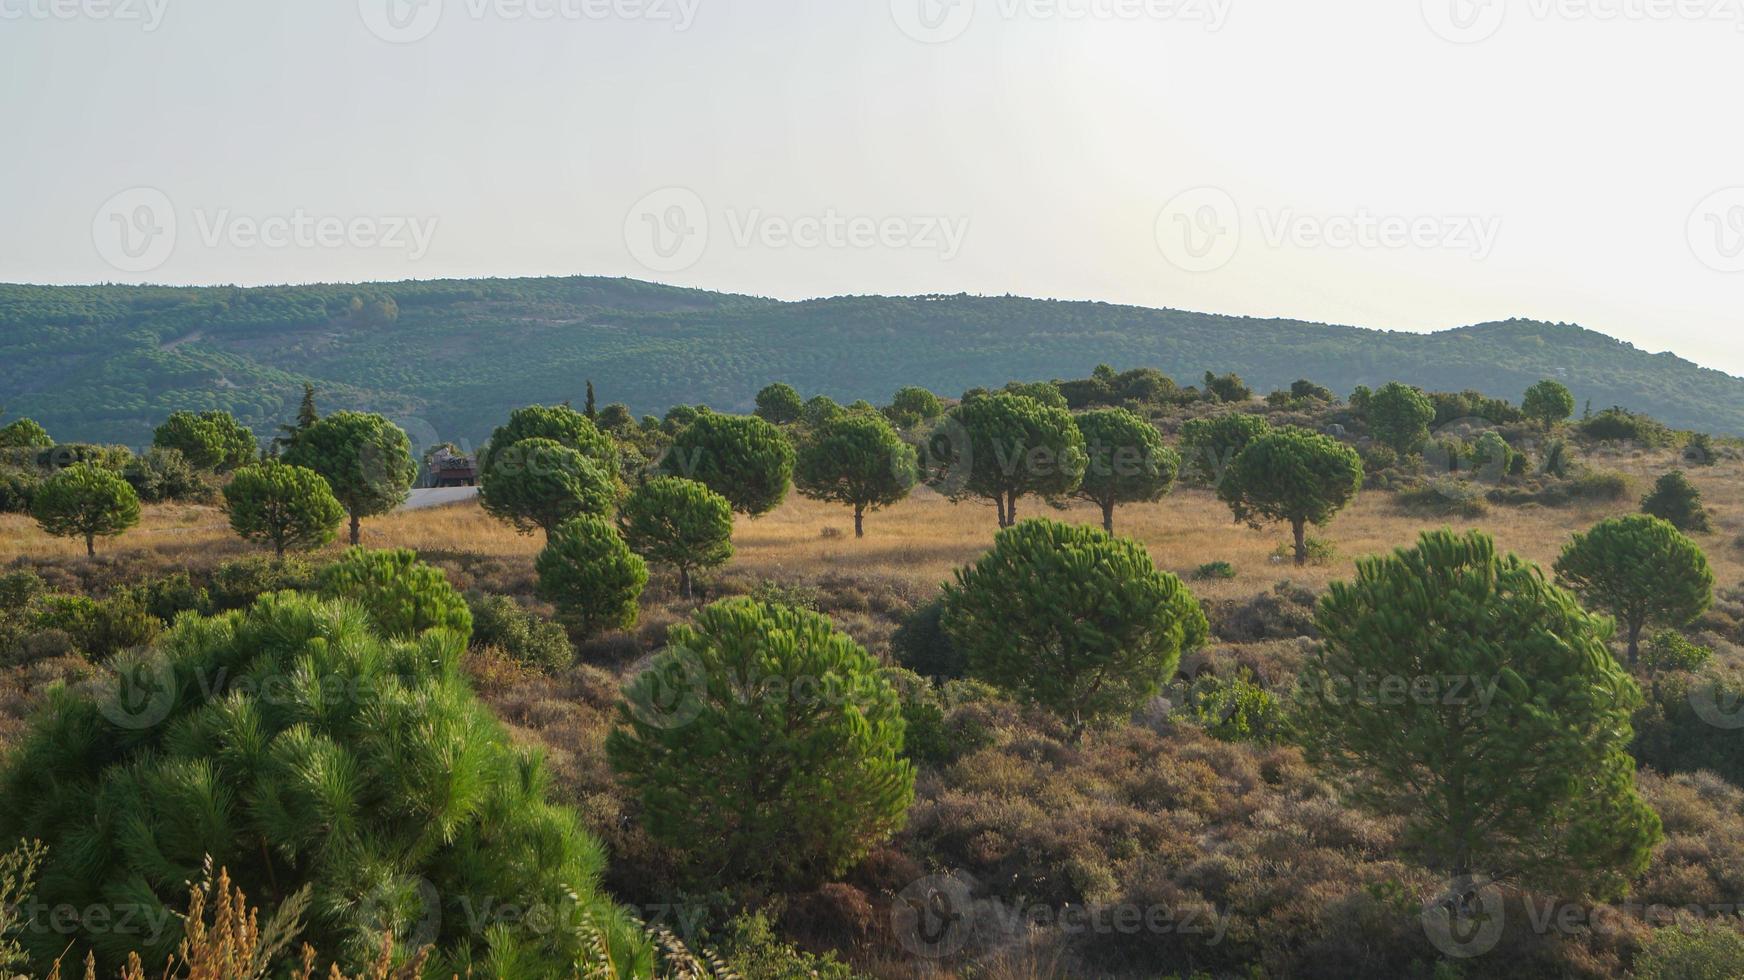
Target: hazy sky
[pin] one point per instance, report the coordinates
(1386, 163)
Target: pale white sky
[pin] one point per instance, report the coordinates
(1386, 163)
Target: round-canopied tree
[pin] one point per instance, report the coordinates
(591, 576)
(779, 403)
(1294, 476)
(912, 406)
(365, 459)
(858, 460)
(1073, 619)
(1548, 402)
(1506, 749)
(24, 434)
(1128, 462)
(679, 523)
(403, 596)
(743, 458)
(283, 505)
(1210, 444)
(210, 440)
(1676, 499)
(1399, 416)
(764, 746)
(295, 747)
(85, 501)
(1003, 446)
(820, 410)
(538, 484)
(1642, 571)
(559, 423)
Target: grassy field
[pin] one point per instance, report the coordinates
(922, 540)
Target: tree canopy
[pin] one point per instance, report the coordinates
(1073, 619)
(1503, 746)
(1294, 476)
(283, 505)
(365, 459)
(857, 460)
(1642, 571)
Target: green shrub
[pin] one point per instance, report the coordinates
(1693, 951)
(17, 489)
(1676, 499)
(1622, 425)
(1669, 650)
(922, 645)
(1073, 619)
(764, 746)
(1446, 496)
(100, 628)
(170, 596)
(237, 583)
(751, 948)
(1602, 485)
(165, 474)
(775, 593)
(501, 622)
(403, 596)
(1233, 710)
(1214, 570)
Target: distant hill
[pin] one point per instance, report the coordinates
(449, 359)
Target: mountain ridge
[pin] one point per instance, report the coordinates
(449, 358)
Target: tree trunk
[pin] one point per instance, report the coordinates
(356, 529)
(1108, 516)
(684, 582)
(1634, 643)
(999, 501)
(90, 545)
(1011, 509)
(1301, 529)
(859, 521)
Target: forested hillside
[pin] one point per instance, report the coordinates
(105, 363)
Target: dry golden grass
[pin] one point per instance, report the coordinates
(922, 540)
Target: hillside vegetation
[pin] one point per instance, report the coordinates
(107, 363)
